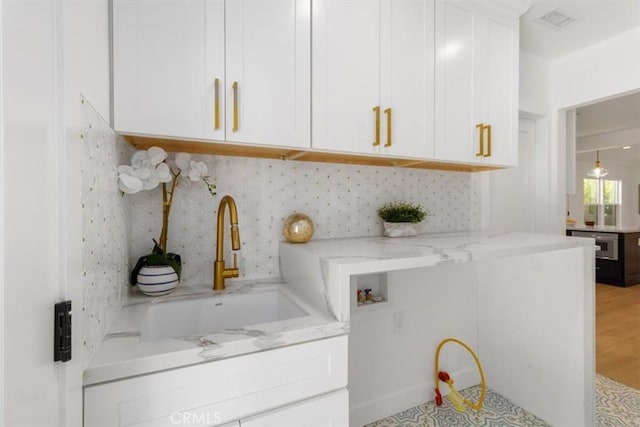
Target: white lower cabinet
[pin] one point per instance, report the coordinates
(297, 380)
(330, 410)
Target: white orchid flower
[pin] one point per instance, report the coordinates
(128, 183)
(182, 161)
(140, 160)
(156, 155)
(152, 182)
(125, 169)
(198, 170)
(164, 173)
(142, 173)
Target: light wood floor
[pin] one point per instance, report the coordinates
(618, 333)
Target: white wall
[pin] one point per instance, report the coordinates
(535, 84)
(597, 72)
(630, 177)
(604, 70)
(390, 371)
(2, 269)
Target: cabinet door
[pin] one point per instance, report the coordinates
(166, 57)
(268, 71)
(346, 74)
(407, 77)
(456, 107)
(501, 80)
(323, 411)
(476, 83)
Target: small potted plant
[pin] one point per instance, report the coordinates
(158, 273)
(401, 219)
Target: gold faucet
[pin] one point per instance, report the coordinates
(219, 271)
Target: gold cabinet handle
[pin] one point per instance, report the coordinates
(488, 153)
(480, 127)
(216, 104)
(376, 110)
(235, 107)
(388, 113)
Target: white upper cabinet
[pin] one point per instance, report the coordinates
(236, 70)
(476, 83)
(346, 74)
(373, 76)
(420, 79)
(268, 70)
(407, 75)
(167, 55)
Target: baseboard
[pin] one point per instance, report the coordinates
(396, 401)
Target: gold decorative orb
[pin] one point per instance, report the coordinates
(298, 228)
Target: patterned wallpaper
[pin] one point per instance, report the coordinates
(341, 199)
(105, 229)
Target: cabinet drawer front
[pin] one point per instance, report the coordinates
(323, 411)
(221, 391)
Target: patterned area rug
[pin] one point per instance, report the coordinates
(616, 406)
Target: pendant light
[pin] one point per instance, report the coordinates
(598, 172)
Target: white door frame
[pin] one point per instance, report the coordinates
(2, 269)
(543, 214)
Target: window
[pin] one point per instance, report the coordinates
(602, 201)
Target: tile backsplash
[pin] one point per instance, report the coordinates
(105, 229)
(341, 199)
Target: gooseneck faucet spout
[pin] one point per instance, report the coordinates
(219, 271)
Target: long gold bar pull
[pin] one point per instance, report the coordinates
(235, 107)
(388, 113)
(216, 104)
(480, 127)
(376, 110)
(488, 128)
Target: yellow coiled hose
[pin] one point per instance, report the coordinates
(457, 397)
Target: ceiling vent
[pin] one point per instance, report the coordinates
(556, 19)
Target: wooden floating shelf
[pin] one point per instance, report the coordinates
(222, 148)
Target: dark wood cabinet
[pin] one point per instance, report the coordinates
(630, 247)
(625, 271)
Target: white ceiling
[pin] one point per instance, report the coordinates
(608, 116)
(596, 20)
(608, 126)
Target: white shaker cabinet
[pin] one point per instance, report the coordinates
(476, 83)
(235, 70)
(373, 76)
(328, 410)
(167, 57)
(268, 69)
(223, 391)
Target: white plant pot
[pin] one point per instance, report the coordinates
(400, 229)
(157, 280)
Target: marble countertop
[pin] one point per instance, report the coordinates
(328, 264)
(316, 276)
(605, 228)
(375, 254)
(124, 353)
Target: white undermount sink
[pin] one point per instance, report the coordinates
(193, 317)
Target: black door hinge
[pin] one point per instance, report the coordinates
(62, 332)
